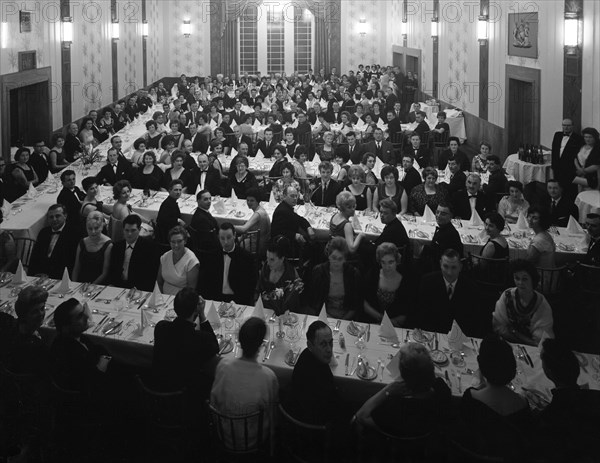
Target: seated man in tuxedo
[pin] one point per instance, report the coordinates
(189, 162)
(446, 295)
(56, 244)
(382, 148)
(199, 140)
(592, 223)
(289, 224)
(394, 123)
(565, 147)
(457, 177)
(422, 127)
(115, 169)
(208, 178)
(412, 177)
(231, 274)
(325, 188)
(193, 114)
(393, 232)
(267, 144)
(70, 196)
(497, 182)
(183, 353)
(204, 228)
(416, 109)
(350, 150)
(454, 152)
(169, 214)
(445, 236)
(465, 201)
(560, 206)
(38, 160)
(134, 260)
(419, 153)
(239, 139)
(117, 143)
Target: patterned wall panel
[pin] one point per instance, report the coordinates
(454, 87)
(130, 47)
(155, 41)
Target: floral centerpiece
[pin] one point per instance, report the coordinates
(279, 299)
(90, 155)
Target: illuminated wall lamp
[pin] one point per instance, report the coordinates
(434, 28)
(571, 33)
(3, 34)
(404, 29)
(186, 28)
(482, 30)
(67, 32)
(145, 29)
(362, 27)
(115, 31)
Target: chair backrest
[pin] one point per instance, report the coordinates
(250, 241)
(305, 139)
(441, 140)
(425, 138)
(397, 138)
(551, 280)
(162, 410)
(237, 435)
(493, 273)
(588, 277)
(24, 248)
(304, 442)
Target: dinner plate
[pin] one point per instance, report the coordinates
(354, 329)
(537, 399)
(566, 247)
(421, 337)
(291, 358)
(291, 320)
(226, 310)
(439, 358)
(225, 346)
(170, 315)
(368, 374)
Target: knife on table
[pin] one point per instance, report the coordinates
(304, 323)
(347, 360)
(527, 356)
(143, 301)
(100, 324)
(447, 376)
(368, 332)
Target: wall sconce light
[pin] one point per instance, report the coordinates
(186, 28)
(404, 28)
(145, 28)
(571, 33)
(114, 30)
(3, 34)
(482, 30)
(362, 27)
(434, 28)
(67, 31)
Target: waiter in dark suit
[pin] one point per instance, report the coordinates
(497, 182)
(422, 127)
(467, 200)
(134, 260)
(231, 274)
(326, 189)
(115, 169)
(560, 206)
(204, 227)
(565, 146)
(419, 153)
(350, 150)
(56, 244)
(383, 149)
(70, 196)
(445, 296)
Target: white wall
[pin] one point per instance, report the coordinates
(590, 116)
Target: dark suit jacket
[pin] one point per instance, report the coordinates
(262, 146)
(462, 205)
(167, 218)
(563, 166)
(108, 175)
(63, 254)
(245, 139)
(200, 144)
(327, 199)
(287, 223)
(497, 183)
(457, 182)
(205, 231)
(592, 256)
(357, 152)
(394, 232)
(72, 201)
(39, 163)
(411, 180)
(422, 156)
(463, 160)
(319, 288)
(192, 117)
(143, 265)
(386, 154)
(212, 182)
(242, 276)
(181, 352)
(436, 312)
(421, 129)
(445, 237)
(394, 126)
(564, 208)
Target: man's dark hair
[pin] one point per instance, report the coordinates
(497, 361)
(451, 254)
(175, 182)
(65, 174)
(87, 182)
(227, 226)
(58, 206)
(560, 361)
(62, 314)
(495, 159)
(133, 219)
(185, 302)
(315, 326)
(201, 193)
(254, 193)
(251, 336)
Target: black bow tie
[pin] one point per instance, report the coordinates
(55, 233)
(472, 196)
(228, 253)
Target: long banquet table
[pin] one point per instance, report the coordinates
(134, 348)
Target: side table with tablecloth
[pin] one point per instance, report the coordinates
(588, 202)
(526, 172)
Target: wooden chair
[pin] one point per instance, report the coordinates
(305, 139)
(237, 437)
(490, 274)
(24, 248)
(552, 281)
(588, 277)
(250, 241)
(425, 136)
(303, 442)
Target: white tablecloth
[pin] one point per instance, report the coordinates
(526, 172)
(588, 202)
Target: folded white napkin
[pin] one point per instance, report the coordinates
(219, 207)
(456, 337)
(142, 325)
(233, 195)
(233, 151)
(475, 219)
(20, 274)
(323, 315)
(233, 124)
(573, 227)
(387, 330)
(212, 124)
(317, 125)
(256, 124)
(272, 201)
(289, 159)
(294, 124)
(259, 309)
(316, 159)
(31, 192)
(213, 316)
(360, 124)
(416, 165)
(65, 284)
(247, 109)
(522, 222)
(378, 166)
(6, 207)
(393, 366)
(428, 215)
(259, 156)
(156, 298)
(380, 123)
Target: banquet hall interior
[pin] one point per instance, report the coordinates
(299, 230)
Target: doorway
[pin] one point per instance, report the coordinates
(398, 61)
(29, 118)
(522, 108)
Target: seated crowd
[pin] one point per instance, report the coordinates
(354, 278)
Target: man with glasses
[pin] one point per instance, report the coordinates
(38, 160)
(565, 146)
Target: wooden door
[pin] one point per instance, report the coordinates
(29, 114)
